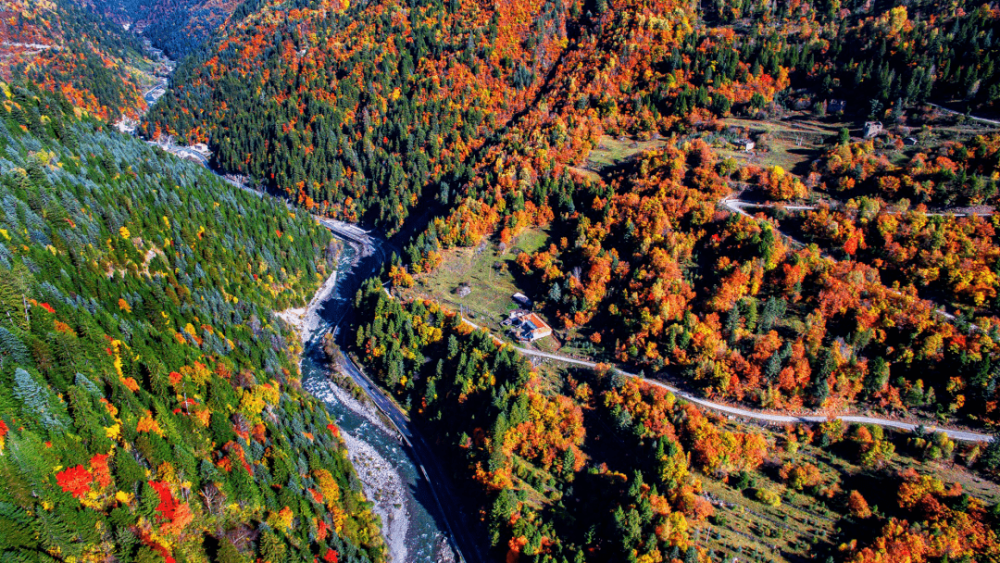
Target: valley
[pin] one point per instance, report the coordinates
(553, 282)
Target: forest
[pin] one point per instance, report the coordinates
(447, 124)
(439, 93)
(179, 27)
(785, 206)
(523, 447)
(150, 408)
(69, 49)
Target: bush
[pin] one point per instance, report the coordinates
(768, 497)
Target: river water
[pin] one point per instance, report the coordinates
(391, 479)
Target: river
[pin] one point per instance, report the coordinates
(392, 480)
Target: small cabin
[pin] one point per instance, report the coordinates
(836, 106)
(872, 129)
(522, 300)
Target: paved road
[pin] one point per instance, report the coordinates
(738, 206)
(427, 462)
(963, 435)
(357, 235)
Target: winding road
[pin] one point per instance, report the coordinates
(963, 435)
(739, 206)
(956, 434)
(458, 525)
(953, 112)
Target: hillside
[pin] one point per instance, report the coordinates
(282, 95)
(150, 408)
(178, 27)
(64, 48)
(573, 465)
(484, 119)
(789, 207)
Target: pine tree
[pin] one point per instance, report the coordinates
(12, 349)
(733, 324)
(37, 400)
(15, 287)
(272, 549)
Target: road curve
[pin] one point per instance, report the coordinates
(963, 435)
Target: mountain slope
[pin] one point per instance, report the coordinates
(176, 26)
(56, 44)
(362, 109)
(149, 406)
(607, 139)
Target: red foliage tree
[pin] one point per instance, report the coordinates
(75, 480)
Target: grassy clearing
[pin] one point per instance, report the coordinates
(493, 278)
(791, 143)
(753, 531)
(611, 151)
(794, 142)
(489, 273)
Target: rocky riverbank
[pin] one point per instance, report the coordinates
(384, 487)
(382, 484)
(306, 320)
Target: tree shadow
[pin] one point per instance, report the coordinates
(448, 490)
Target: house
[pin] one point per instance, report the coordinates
(872, 129)
(201, 148)
(527, 327)
(463, 290)
(745, 145)
(909, 141)
(836, 106)
(522, 300)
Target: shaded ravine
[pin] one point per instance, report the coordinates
(437, 530)
(413, 523)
